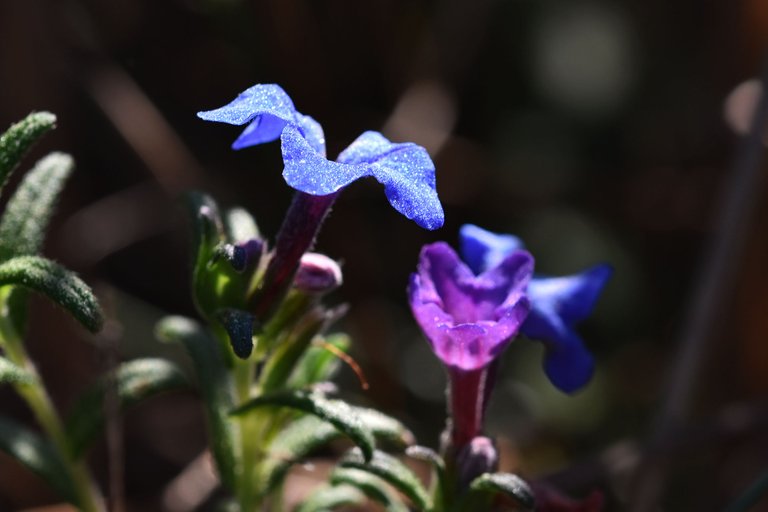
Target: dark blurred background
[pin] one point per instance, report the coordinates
(595, 130)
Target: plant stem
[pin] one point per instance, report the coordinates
(37, 398)
(249, 440)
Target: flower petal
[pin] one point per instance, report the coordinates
(449, 280)
(407, 173)
(268, 109)
(567, 362)
(468, 320)
(482, 249)
(572, 297)
(258, 100)
(308, 171)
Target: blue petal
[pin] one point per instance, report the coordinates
(268, 109)
(308, 171)
(572, 297)
(261, 99)
(567, 363)
(405, 170)
(407, 173)
(481, 249)
(570, 367)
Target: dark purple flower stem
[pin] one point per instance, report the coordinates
(469, 394)
(296, 236)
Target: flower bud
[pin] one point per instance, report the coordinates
(477, 457)
(317, 274)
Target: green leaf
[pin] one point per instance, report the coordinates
(19, 138)
(208, 233)
(304, 435)
(507, 484)
(336, 412)
(133, 382)
(26, 217)
(215, 384)
(38, 455)
(440, 481)
(318, 363)
(327, 498)
(13, 374)
(240, 226)
(55, 282)
(372, 486)
(392, 471)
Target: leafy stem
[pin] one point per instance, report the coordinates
(36, 396)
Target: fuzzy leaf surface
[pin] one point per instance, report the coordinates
(133, 382)
(19, 138)
(215, 385)
(26, 217)
(392, 471)
(508, 484)
(336, 412)
(371, 485)
(55, 282)
(327, 498)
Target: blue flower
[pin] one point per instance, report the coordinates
(405, 170)
(557, 305)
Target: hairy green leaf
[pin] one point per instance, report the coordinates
(132, 382)
(208, 233)
(13, 374)
(440, 481)
(308, 433)
(336, 412)
(25, 220)
(215, 384)
(55, 282)
(19, 138)
(38, 455)
(507, 484)
(392, 471)
(327, 498)
(371, 485)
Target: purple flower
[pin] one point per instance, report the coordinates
(469, 319)
(557, 305)
(405, 170)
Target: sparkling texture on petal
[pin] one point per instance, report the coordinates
(269, 109)
(468, 319)
(482, 249)
(405, 170)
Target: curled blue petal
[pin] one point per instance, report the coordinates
(572, 297)
(405, 170)
(268, 109)
(261, 99)
(481, 249)
(407, 173)
(567, 362)
(570, 367)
